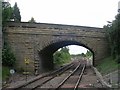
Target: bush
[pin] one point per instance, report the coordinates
(113, 36)
(62, 56)
(8, 58)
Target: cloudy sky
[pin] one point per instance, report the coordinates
(94, 13)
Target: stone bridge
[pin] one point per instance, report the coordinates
(38, 42)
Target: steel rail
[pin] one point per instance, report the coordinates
(67, 77)
(40, 77)
(79, 78)
(59, 73)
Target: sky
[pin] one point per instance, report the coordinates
(74, 49)
(93, 13)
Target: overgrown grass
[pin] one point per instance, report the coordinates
(107, 65)
(5, 73)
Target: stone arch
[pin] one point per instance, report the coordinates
(46, 54)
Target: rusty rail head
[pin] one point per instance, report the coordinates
(55, 74)
(80, 76)
(68, 77)
(39, 77)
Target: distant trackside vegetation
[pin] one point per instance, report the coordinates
(112, 62)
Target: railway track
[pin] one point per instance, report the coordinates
(75, 70)
(40, 78)
(73, 79)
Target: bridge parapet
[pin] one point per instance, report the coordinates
(55, 30)
(54, 26)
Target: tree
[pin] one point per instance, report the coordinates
(57, 57)
(113, 35)
(83, 55)
(65, 49)
(88, 53)
(32, 20)
(16, 13)
(8, 58)
(62, 56)
(7, 12)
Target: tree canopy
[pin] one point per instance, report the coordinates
(113, 35)
(32, 20)
(6, 12)
(8, 58)
(62, 56)
(16, 13)
(89, 53)
(10, 13)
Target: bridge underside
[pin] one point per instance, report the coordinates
(46, 55)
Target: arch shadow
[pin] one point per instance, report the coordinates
(46, 54)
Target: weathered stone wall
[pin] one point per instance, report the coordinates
(28, 39)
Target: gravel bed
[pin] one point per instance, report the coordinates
(54, 82)
(90, 80)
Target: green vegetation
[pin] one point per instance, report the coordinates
(6, 12)
(8, 58)
(82, 54)
(8, 61)
(78, 55)
(10, 13)
(16, 13)
(88, 54)
(108, 65)
(75, 55)
(62, 56)
(32, 20)
(5, 73)
(113, 35)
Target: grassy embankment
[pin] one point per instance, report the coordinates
(108, 65)
(5, 73)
